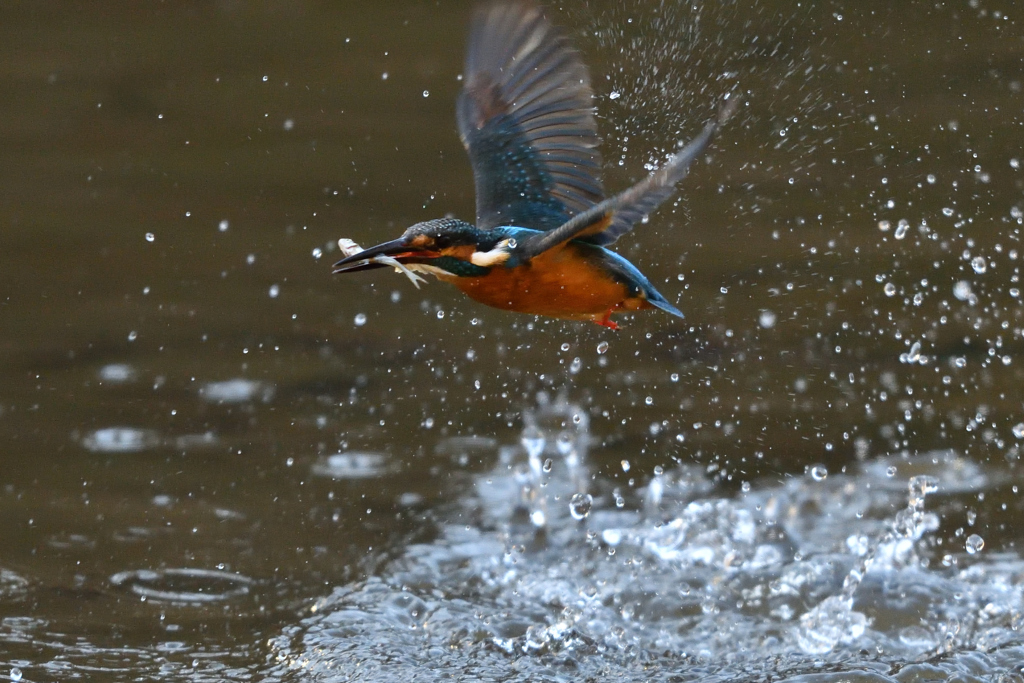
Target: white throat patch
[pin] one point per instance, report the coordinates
(494, 257)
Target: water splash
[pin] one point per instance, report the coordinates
(554, 441)
(121, 440)
(833, 621)
(183, 585)
(778, 582)
(236, 390)
(350, 465)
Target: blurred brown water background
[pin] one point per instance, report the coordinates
(178, 366)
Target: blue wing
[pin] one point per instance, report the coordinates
(525, 115)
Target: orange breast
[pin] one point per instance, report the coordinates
(558, 283)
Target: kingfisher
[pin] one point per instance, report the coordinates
(525, 115)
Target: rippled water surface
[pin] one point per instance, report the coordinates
(219, 462)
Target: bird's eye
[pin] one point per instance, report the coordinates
(510, 243)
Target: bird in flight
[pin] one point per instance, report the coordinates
(526, 117)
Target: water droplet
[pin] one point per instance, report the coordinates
(614, 95)
(275, 290)
(890, 471)
(655, 491)
(962, 290)
(766, 319)
(120, 440)
(150, 237)
(133, 335)
(979, 265)
(117, 373)
(548, 464)
(920, 486)
(288, 124)
(565, 346)
(440, 315)
(317, 252)
(913, 355)
(889, 289)
(602, 348)
(947, 212)
(533, 441)
(658, 470)
(975, 543)
(625, 465)
(360, 319)
(611, 536)
(223, 226)
(250, 259)
(426, 93)
(576, 365)
(901, 229)
(580, 505)
(745, 487)
(649, 400)
(565, 443)
(1018, 430)
(538, 518)
(819, 473)
(15, 674)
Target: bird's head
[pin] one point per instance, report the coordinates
(445, 247)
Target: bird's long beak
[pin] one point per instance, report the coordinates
(364, 260)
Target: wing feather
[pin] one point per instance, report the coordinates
(606, 221)
(525, 115)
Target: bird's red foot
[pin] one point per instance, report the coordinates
(607, 321)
